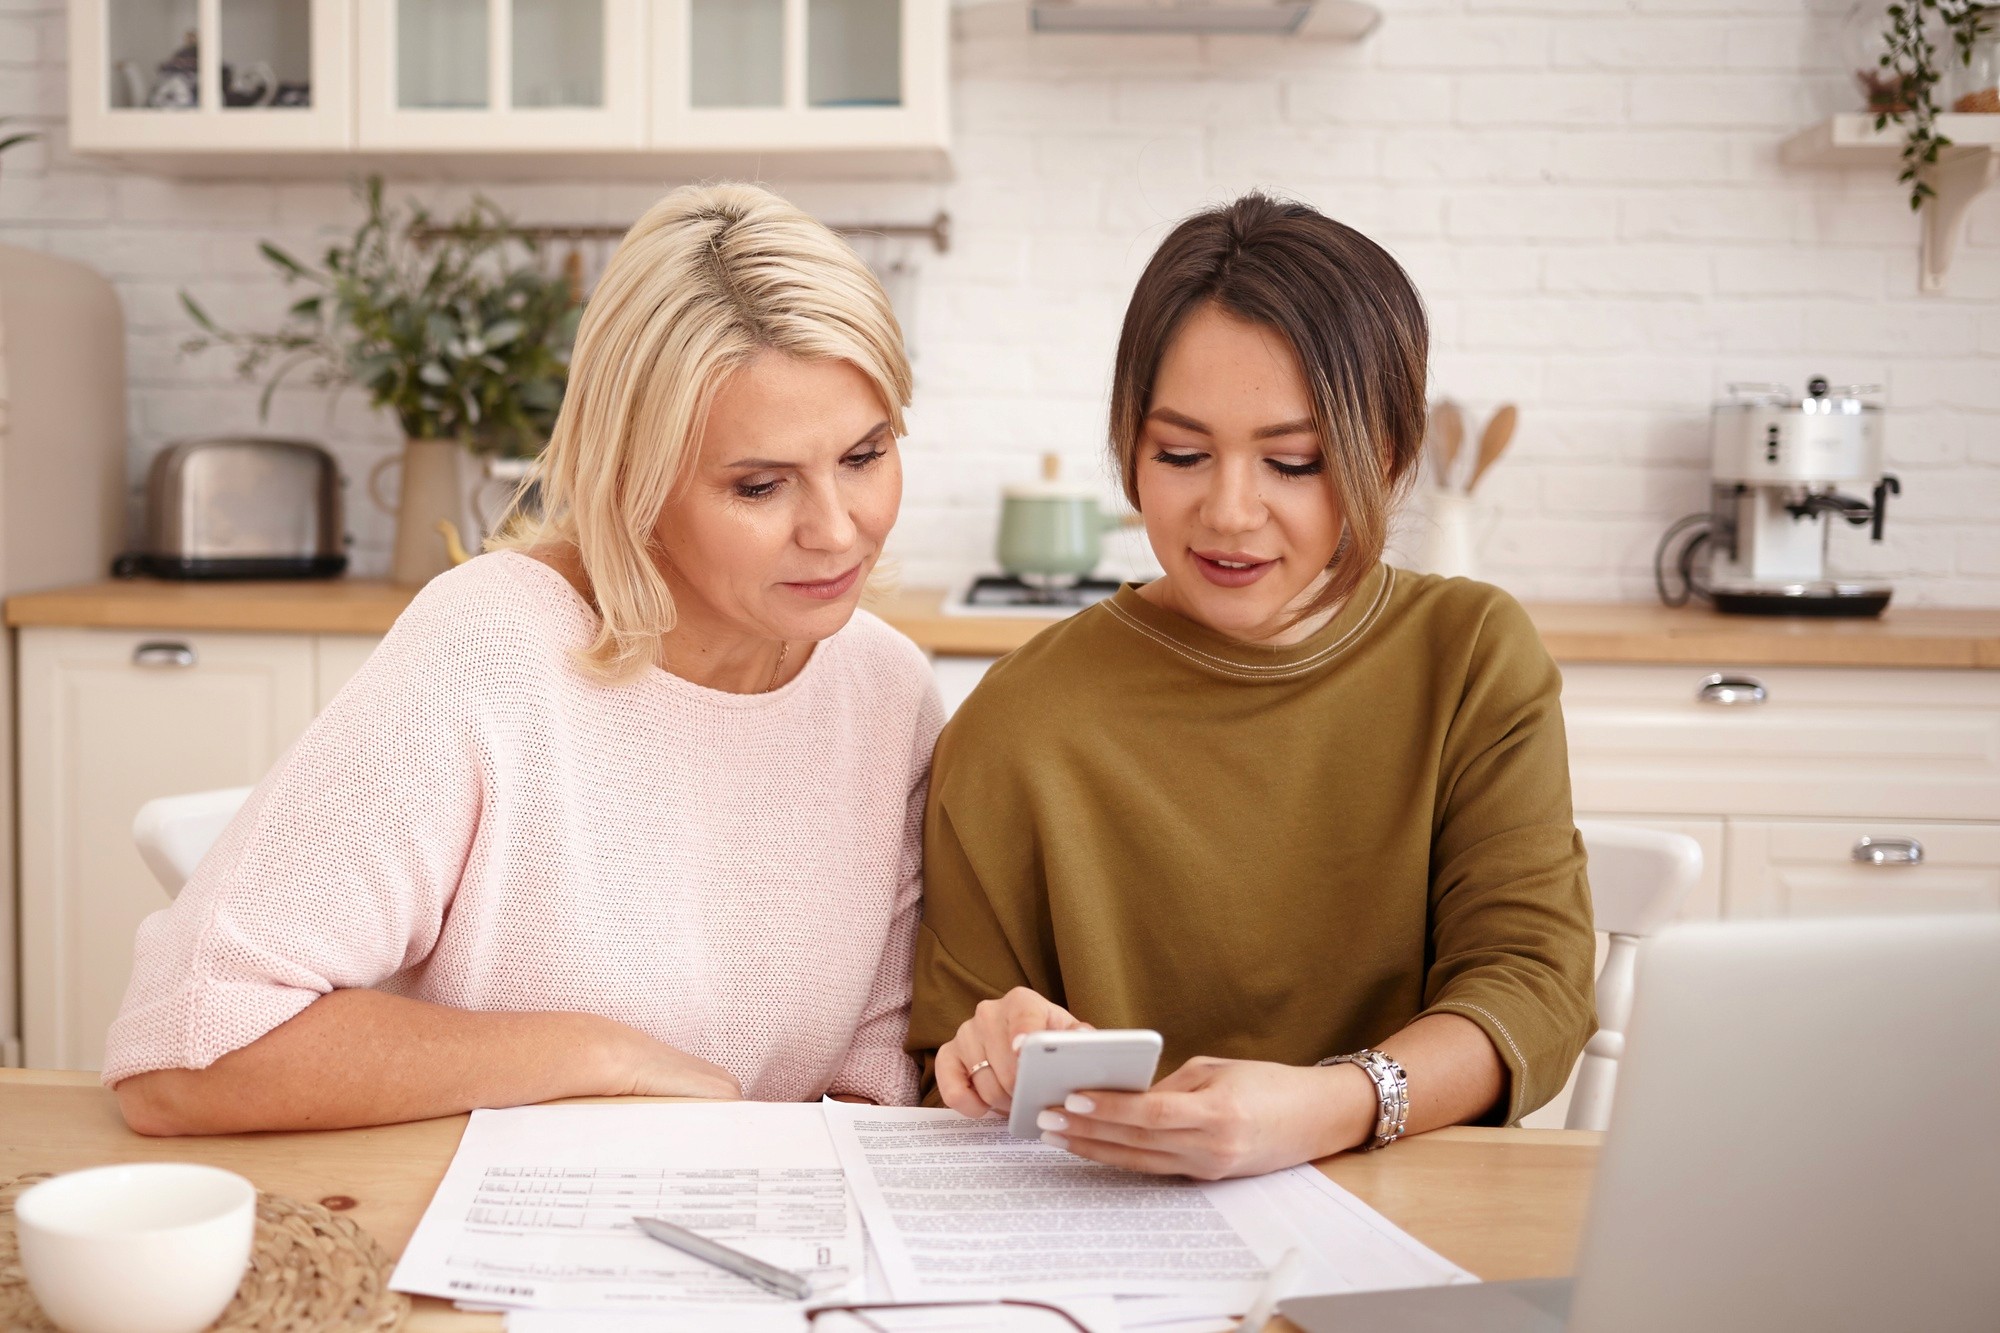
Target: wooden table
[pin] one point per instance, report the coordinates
(1503, 1203)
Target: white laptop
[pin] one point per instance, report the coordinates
(1806, 1137)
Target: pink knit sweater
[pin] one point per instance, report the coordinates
(474, 822)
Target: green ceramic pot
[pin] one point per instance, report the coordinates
(1052, 529)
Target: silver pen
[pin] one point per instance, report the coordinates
(778, 1281)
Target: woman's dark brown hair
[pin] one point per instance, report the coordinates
(1350, 313)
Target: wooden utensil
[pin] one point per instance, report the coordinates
(1493, 442)
(1447, 434)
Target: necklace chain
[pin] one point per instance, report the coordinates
(784, 650)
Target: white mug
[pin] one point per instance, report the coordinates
(152, 1247)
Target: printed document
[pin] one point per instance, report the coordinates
(961, 1208)
(1097, 1314)
(537, 1206)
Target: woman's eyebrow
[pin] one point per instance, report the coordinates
(880, 429)
(1173, 418)
(1303, 426)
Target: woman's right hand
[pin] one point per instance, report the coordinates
(987, 1042)
(643, 1067)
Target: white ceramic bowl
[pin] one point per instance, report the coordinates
(155, 1247)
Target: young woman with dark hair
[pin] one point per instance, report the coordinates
(1305, 814)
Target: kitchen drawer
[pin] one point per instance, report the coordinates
(1808, 868)
(111, 719)
(1832, 742)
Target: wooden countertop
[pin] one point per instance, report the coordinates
(1574, 631)
(1504, 1203)
(298, 606)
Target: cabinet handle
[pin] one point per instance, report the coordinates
(1889, 852)
(163, 655)
(1731, 691)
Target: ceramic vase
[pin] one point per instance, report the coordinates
(437, 478)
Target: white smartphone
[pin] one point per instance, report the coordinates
(1055, 1064)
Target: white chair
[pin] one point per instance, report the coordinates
(175, 832)
(1639, 877)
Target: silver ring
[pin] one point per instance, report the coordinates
(973, 1072)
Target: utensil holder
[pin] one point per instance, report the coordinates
(1454, 525)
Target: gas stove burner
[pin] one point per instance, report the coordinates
(1006, 594)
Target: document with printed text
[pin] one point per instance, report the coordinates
(537, 1206)
(960, 1208)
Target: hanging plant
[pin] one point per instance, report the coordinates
(1910, 66)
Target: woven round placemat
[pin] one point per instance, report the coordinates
(309, 1270)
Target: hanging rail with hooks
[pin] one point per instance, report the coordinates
(937, 231)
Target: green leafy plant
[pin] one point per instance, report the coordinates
(1910, 60)
(452, 326)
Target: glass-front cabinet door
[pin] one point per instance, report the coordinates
(497, 75)
(207, 75)
(804, 75)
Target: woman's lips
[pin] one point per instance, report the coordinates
(826, 590)
(1231, 570)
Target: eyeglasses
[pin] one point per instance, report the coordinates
(944, 1317)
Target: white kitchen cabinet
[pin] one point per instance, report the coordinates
(1801, 764)
(1861, 867)
(789, 75)
(1782, 741)
(692, 86)
(111, 719)
(268, 74)
(501, 74)
(336, 657)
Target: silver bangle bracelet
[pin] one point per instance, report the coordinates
(1392, 1093)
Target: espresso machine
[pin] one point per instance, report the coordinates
(1785, 474)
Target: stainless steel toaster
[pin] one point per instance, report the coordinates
(238, 507)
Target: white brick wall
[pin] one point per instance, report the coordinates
(1587, 191)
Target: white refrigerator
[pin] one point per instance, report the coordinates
(62, 494)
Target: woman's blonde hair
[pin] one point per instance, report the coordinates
(709, 277)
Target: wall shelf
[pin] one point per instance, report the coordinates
(1963, 171)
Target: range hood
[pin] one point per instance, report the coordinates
(1272, 18)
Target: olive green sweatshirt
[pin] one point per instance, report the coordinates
(1268, 853)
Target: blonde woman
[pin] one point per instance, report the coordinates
(631, 805)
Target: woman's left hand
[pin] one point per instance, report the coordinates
(1212, 1119)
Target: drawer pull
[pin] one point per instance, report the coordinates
(163, 655)
(1731, 691)
(1889, 852)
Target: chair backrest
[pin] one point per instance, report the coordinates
(175, 832)
(1639, 877)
